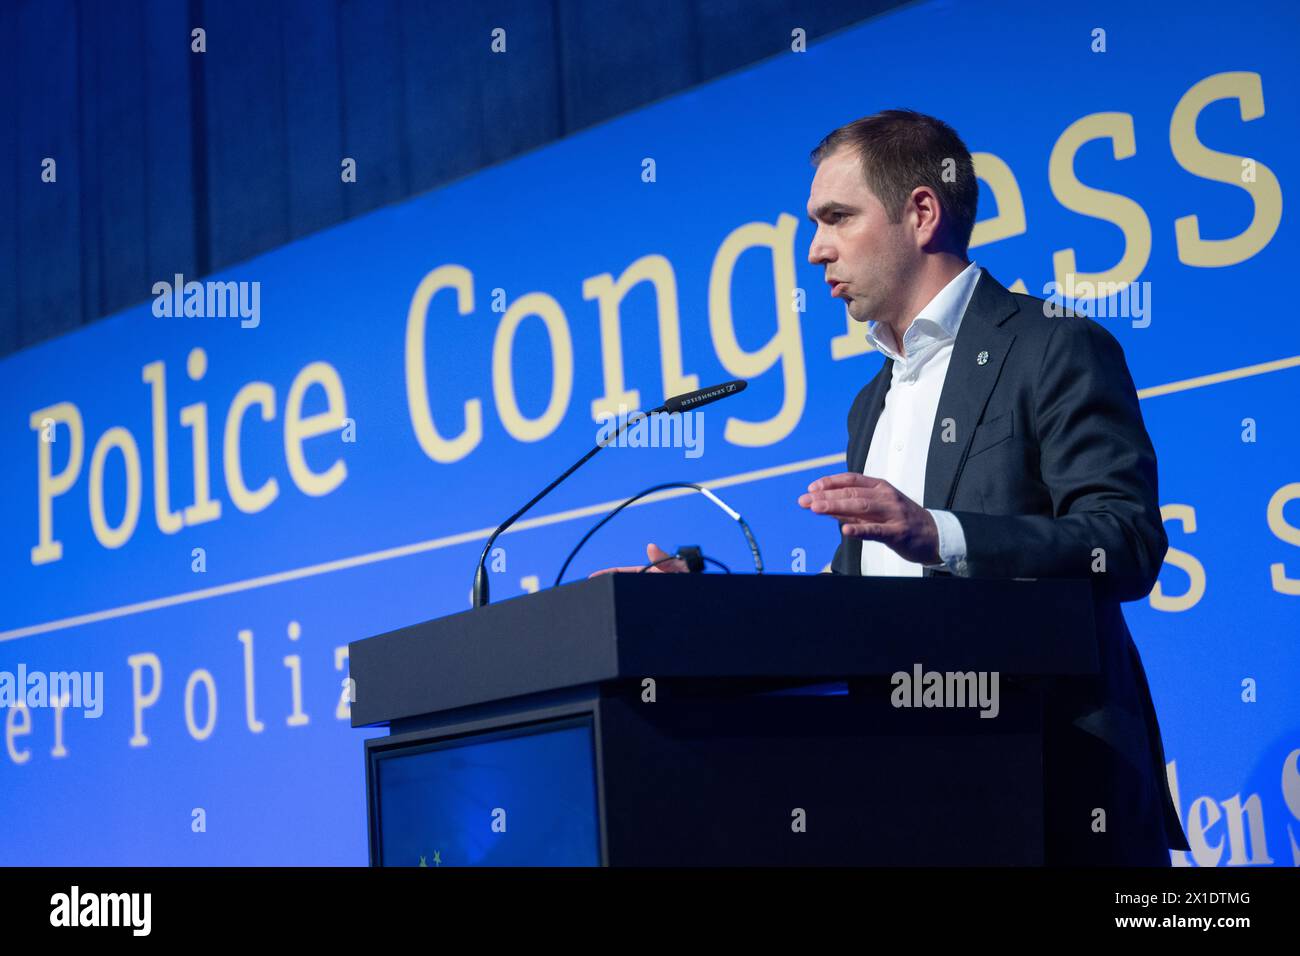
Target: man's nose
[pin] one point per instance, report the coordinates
(819, 252)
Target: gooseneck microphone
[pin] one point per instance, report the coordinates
(686, 402)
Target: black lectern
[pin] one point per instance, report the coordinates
(637, 719)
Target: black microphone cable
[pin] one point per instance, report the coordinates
(731, 512)
(703, 558)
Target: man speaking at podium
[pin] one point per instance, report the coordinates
(999, 439)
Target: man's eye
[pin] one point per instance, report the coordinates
(834, 218)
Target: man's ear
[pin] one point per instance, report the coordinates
(925, 206)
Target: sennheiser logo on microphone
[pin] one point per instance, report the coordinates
(632, 429)
(704, 396)
(707, 396)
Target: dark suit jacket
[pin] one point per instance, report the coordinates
(1051, 461)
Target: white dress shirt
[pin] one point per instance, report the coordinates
(900, 444)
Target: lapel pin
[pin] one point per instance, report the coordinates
(982, 358)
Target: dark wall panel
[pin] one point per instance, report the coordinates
(9, 163)
(114, 144)
(169, 154)
(49, 214)
(173, 161)
(519, 98)
(736, 33)
(314, 124)
(374, 98)
(247, 157)
(453, 127)
(90, 169)
(618, 57)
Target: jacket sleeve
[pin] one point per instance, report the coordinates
(1098, 463)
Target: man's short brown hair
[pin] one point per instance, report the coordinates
(902, 149)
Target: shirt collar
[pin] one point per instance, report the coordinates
(938, 321)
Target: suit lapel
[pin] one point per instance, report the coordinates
(973, 368)
(875, 404)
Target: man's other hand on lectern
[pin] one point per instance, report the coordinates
(654, 555)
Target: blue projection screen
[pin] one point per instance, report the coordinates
(446, 805)
(200, 513)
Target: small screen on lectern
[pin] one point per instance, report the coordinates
(519, 797)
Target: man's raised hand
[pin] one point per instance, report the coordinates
(874, 510)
